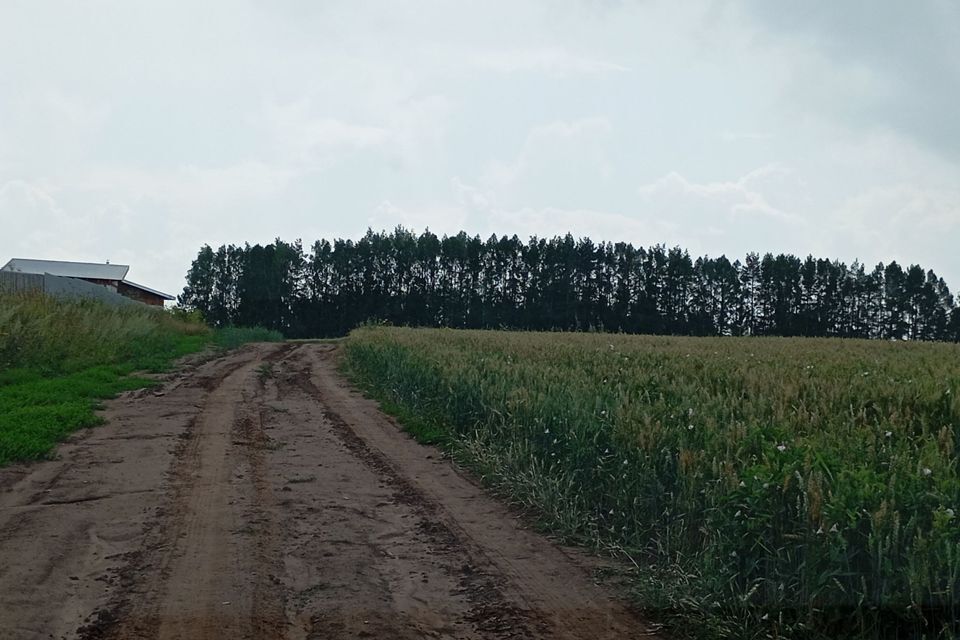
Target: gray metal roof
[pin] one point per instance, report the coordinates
(91, 270)
(165, 296)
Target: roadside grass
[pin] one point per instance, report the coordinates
(333, 341)
(60, 359)
(36, 414)
(764, 487)
(233, 337)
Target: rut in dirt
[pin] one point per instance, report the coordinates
(291, 507)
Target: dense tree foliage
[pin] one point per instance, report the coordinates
(560, 284)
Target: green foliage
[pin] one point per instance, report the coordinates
(58, 359)
(191, 316)
(37, 412)
(233, 337)
(560, 283)
(54, 336)
(775, 487)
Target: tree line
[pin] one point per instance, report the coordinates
(561, 283)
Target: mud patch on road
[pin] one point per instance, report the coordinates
(491, 613)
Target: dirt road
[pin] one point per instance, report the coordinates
(258, 496)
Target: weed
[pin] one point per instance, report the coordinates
(264, 371)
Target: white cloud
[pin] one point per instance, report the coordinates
(418, 129)
(24, 200)
(673, 192)
(439, 218)
(308, 138)
(474, 198)
(58, 105)
(739, 136)
(189, 189)
(571, 142)
(901, 222)
(552, 61)
(598, 225)
(44, 228)
(304, 132)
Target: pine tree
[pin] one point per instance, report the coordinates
(559, 283)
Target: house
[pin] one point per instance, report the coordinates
(110, 276)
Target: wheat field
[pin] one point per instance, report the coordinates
(764, 487)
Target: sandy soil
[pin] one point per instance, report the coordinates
(257, 496)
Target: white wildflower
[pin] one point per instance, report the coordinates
(689, 427)
(927, 471)
(547, 431)
(888, 434)
(781, 448)
(733, 554)
(820, 531)
(834, 529)
(949, 513)
(742, 484)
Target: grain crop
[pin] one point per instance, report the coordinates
(765, 487)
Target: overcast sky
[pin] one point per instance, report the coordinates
(138, 131)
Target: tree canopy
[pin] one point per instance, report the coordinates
(561, 283)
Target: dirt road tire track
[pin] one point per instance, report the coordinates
(259, 496)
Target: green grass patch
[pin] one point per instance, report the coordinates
(60, 359)
(37, 413)
(233, 337)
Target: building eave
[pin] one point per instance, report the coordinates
(165, 296)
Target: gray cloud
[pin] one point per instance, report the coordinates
(902, 58)
(139, 131)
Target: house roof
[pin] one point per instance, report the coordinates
(92, 270)
(165, 296)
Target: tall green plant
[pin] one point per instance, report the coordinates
(810, 486)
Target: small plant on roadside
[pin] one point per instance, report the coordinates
(264, 371)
